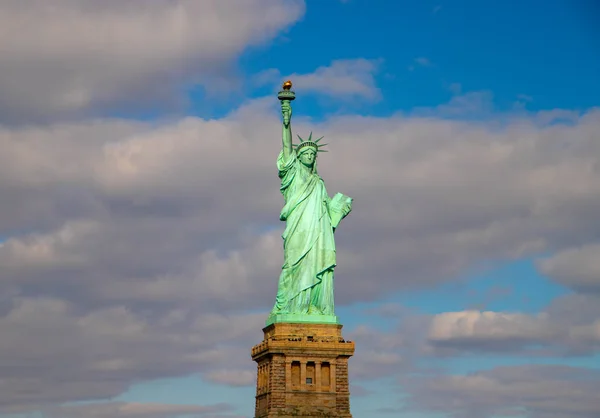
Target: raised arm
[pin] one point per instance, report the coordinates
(286, 134)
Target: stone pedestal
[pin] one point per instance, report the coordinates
(302, 371)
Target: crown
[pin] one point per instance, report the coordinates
(309, 143)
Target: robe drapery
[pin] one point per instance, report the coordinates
(306, 280)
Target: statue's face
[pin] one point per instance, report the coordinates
(308, 157)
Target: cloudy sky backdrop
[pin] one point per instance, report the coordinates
(139, 237)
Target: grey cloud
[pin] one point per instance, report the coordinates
(378, 354)
(155, 226)
(578, 267)
(233, 377)
(74, 57)
(457, 195)
(389, 353)
(95, 264)
(536, 391)
(131, 410)
(159, 204)
(574, 309)
(51, 353)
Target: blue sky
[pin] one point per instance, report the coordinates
(538, 53)
(139, 235)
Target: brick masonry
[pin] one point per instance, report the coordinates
(302, 371)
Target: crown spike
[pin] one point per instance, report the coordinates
(309, 143)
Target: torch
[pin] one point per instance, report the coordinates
(286, 94)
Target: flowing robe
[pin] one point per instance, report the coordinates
(306, 280)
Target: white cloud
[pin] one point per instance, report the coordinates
(73, 56)
(350, 78)
(489, 326)
(562, 328)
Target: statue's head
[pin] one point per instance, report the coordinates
(307, 156)
(307, 151)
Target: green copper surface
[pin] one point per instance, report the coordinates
(305, 291)
(303, 318)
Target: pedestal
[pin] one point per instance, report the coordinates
(302, 371)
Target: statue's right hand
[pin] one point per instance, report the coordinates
(286, 111)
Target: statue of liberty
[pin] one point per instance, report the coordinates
(305, 291)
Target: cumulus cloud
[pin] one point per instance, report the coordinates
(495, 330)
(577, 267)
(534, 391)
(562, 328)
(567, 327)
(348, 78)
(150, 224)
(135, 202)
(119, 240)
(72, 56)
(113, 273)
